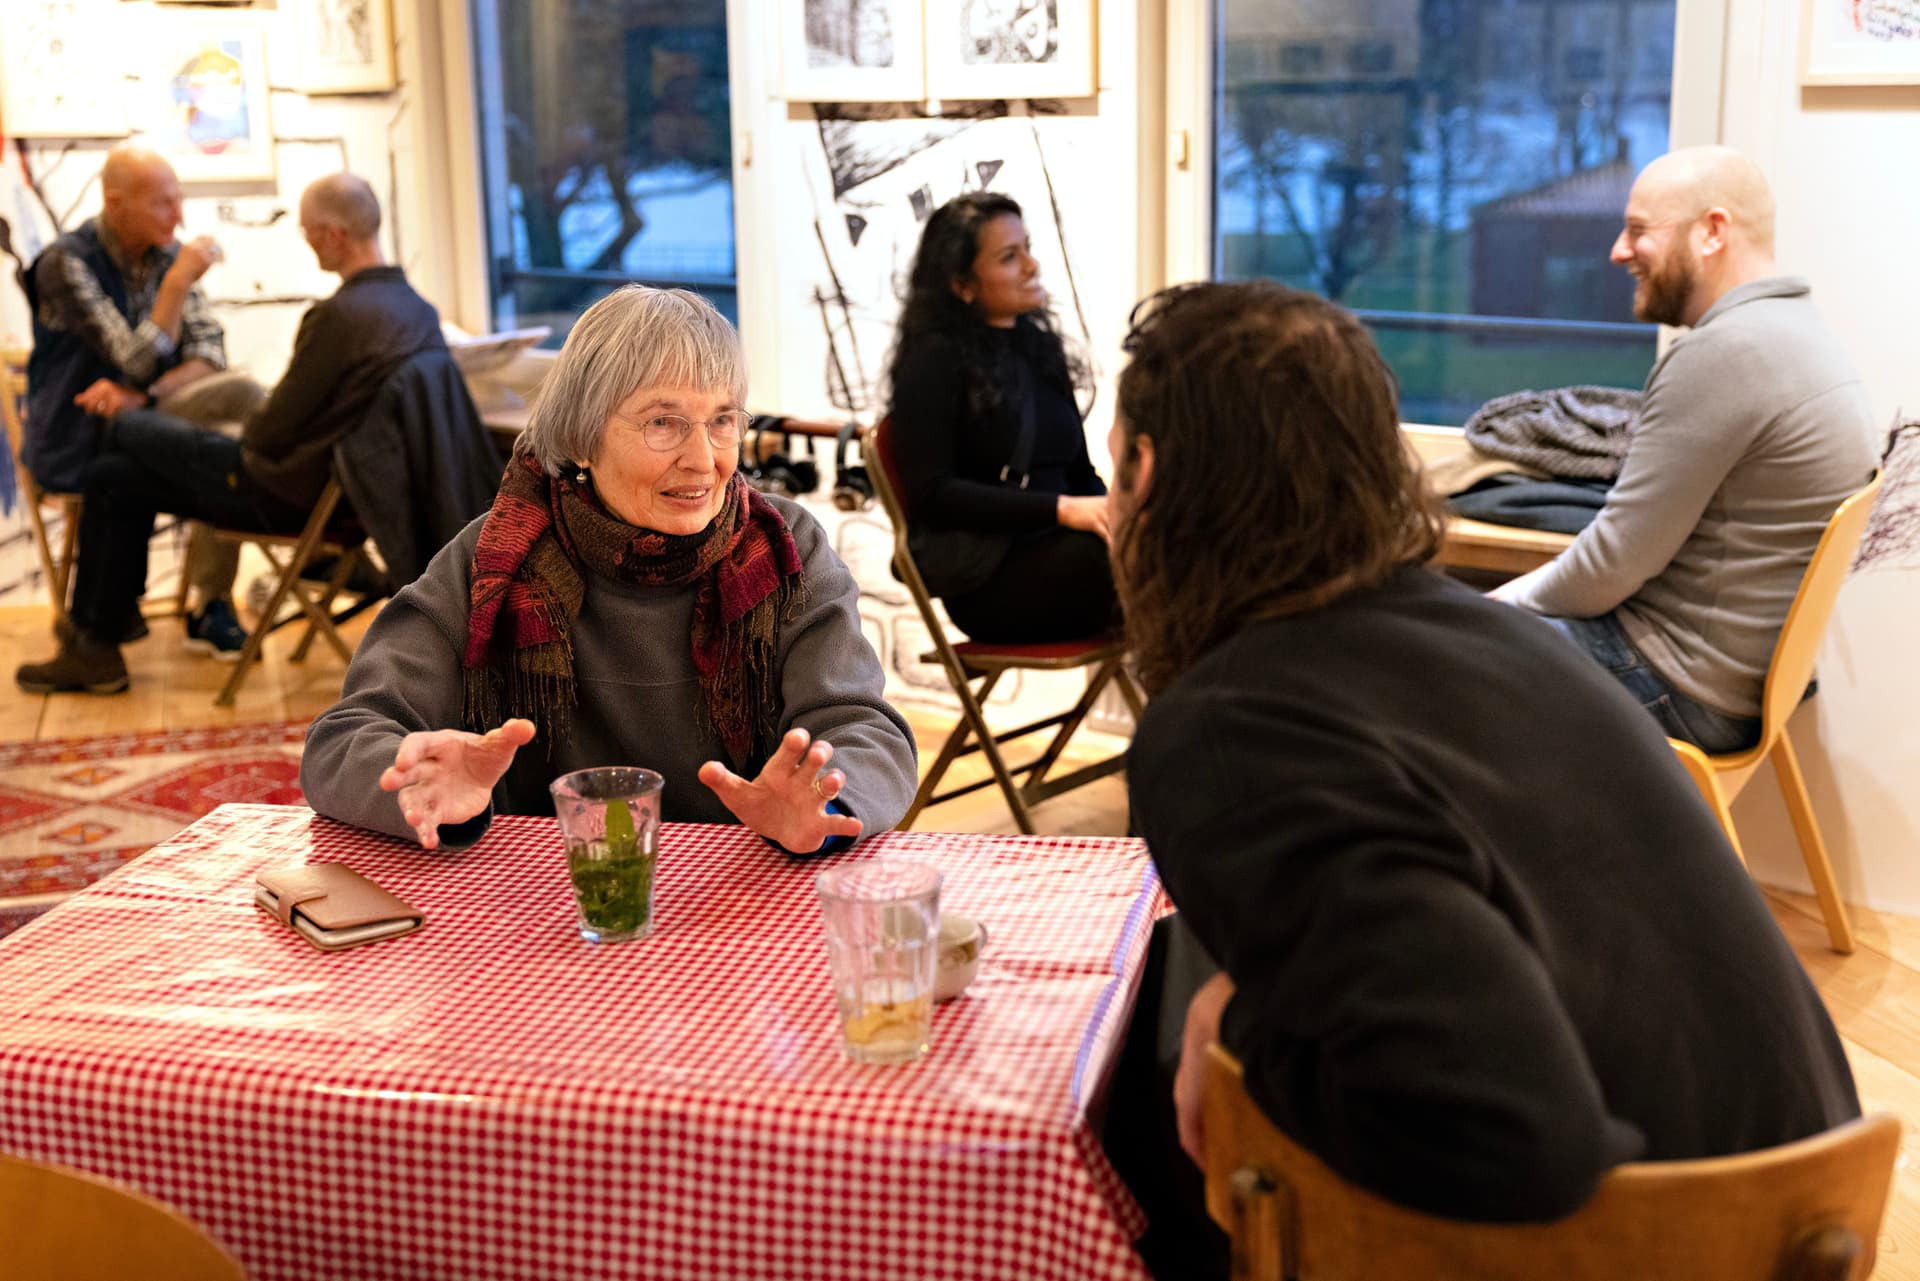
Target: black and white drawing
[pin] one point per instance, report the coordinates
(1892, 537)
(1008, 32)
(851, 51)
(1010, 49)
(346, 46)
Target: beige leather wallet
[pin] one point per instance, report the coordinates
(332, 906)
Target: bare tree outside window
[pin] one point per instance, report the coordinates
(613, 134)
(1454, 170)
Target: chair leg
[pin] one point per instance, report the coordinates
(1700, 769)
(342, 570)
(196, 536)
(250, 653)
(971, 708)
(54, 570)
(1037, 773)
(950, 751)
(1793, 789)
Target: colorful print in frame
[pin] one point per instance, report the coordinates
(208, 96)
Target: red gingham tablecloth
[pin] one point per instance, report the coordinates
(492, 1097)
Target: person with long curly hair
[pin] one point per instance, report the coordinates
(1006, 515)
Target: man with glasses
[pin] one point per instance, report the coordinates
(271, 476)
(1754, 428)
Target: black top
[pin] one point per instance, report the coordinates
(347, 347)
(949, 462)
(1487, 940)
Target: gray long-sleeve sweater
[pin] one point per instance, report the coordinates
(1755, 427)
(639, 696)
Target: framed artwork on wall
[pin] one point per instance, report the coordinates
(346, 46)
(60, 71)
(851, 51)
(1010, 48)
(207, 95)
(1859, 42)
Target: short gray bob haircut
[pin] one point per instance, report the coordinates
(635, 337)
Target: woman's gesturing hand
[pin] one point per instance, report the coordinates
(1089, 514)
(787, 803)
(447, 775)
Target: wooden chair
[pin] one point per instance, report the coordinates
(289, 555)
(1805, 1211)
(66, 1225)
(1720, 778)
(973, 668)
(57, 567)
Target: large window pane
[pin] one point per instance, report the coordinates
(1453, 170)
(607, 146)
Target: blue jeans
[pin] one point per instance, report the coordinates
(1711, 731)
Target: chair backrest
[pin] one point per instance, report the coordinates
(421, 465)
(877, 445)
(1804, 1210)
(1812, 608)
(66, 1225)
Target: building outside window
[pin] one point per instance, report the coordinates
(606, 152)
(1453, 170)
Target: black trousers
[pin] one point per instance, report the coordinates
(1055, 584)
(151, 463)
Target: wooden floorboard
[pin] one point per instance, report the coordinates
(1874, 994)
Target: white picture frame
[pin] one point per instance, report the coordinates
(207, 95)
(1859, 42)
(852, 51)
(60, 71)
(346, 46)
(1011, 49)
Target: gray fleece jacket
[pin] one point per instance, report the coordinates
(639, 696)
(1754, 428)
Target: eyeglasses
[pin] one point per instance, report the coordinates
(663, 432)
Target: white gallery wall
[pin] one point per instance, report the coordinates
(1845, 164)
(269, 277)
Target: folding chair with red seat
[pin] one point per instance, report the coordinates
(973, 668)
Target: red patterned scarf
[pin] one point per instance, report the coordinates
(529, 579)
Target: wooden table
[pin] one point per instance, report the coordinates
(492, 1097)
(1478, 544)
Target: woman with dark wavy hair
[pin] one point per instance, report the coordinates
(1006, 516)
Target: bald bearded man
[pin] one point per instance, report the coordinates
(1754, 428)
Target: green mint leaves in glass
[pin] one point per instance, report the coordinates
(610, 825)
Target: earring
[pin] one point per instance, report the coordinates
(580, 474)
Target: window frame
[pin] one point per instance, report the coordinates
(1193, 60)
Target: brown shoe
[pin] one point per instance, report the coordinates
(80, 667)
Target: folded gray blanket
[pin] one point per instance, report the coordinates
(1569, 431)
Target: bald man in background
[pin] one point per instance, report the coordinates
(119, 323)
(1755, 426)
(347, 347)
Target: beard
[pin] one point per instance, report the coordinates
(1661, 297)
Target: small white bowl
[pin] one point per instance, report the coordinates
(962, 939)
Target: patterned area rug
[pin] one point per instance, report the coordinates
(72, 810)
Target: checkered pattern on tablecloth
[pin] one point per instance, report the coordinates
(493, 1097)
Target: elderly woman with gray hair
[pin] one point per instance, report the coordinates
(629, 600)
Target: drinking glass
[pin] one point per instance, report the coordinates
(610, 825)
(883, 940)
